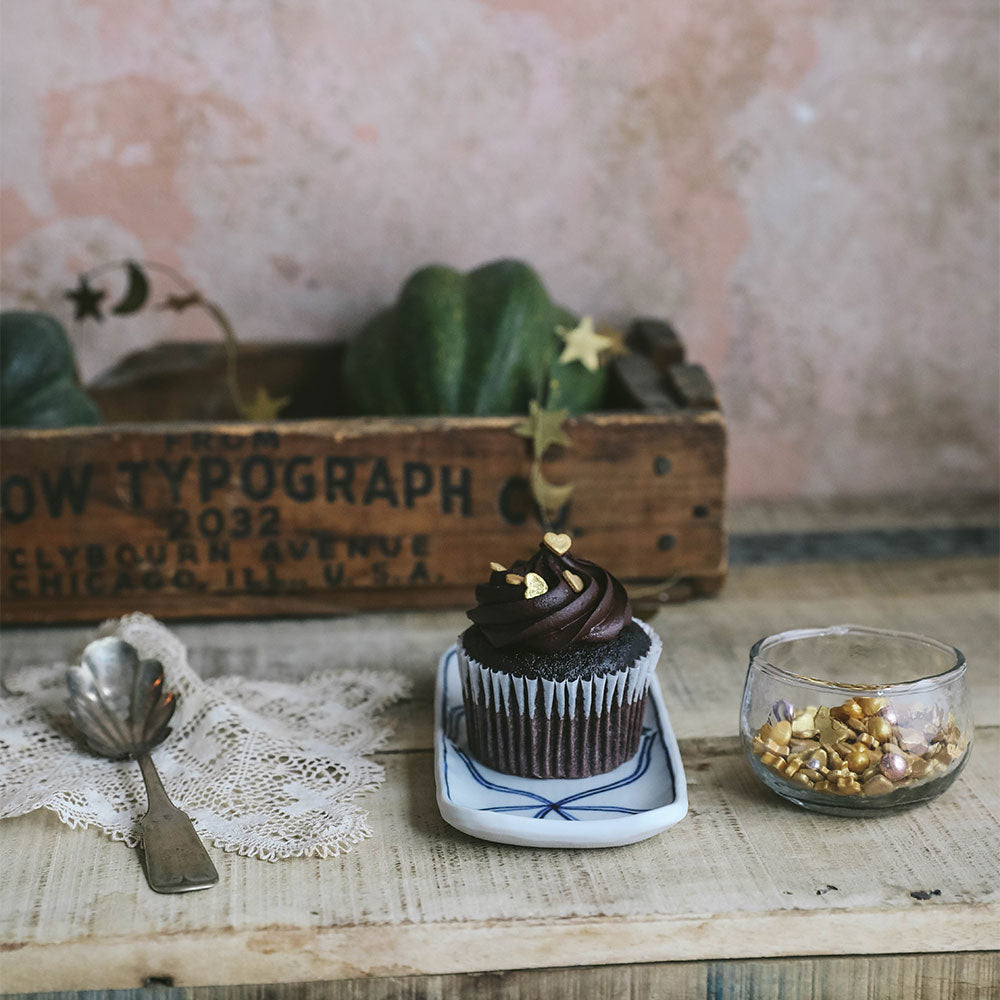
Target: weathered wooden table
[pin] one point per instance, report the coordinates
(747, 896)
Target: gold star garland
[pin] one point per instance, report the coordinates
(544, 427)
(584, 344)
(87, 305)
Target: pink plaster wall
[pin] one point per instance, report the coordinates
(808, 189)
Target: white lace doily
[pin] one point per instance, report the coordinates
(265, 768)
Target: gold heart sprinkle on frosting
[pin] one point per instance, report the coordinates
(559, 544)
(535, 586)
(573, 580)
(497, 568)
(515, 579)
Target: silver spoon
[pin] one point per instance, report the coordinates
(119, 705)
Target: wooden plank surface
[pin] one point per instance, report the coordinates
(706, 642)
(742, 876)
(847, 514)
(951, 976)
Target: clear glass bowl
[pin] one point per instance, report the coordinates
(855, 721)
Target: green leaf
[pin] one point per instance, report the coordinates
(38, 384)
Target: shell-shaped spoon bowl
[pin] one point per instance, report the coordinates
(118, 701)
(120, 705)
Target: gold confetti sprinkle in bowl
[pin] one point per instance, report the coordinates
(855, 721)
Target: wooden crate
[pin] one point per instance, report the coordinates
(325, 516)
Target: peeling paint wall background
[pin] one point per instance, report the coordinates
(807, 189)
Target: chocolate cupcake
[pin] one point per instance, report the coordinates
(554, 667)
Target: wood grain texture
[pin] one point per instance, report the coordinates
(321, 517)
(953, 976)
(744, 876)
(740, 878)
(327, 516)
(947, 510)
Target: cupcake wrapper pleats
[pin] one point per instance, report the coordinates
(540, 728)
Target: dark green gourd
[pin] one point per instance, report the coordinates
(476, 343)
(38, 384)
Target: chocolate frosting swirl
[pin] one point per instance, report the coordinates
(558, 618)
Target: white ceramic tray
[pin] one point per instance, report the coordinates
(635, 801)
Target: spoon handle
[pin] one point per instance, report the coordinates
(176, 859)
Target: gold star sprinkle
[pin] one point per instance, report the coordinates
(559, 544)
(514, 579)
(583, 344)
(497, 568)
(573, 580)
(535, 586)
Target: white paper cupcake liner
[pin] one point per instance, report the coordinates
(556, 729)
(482, 685)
